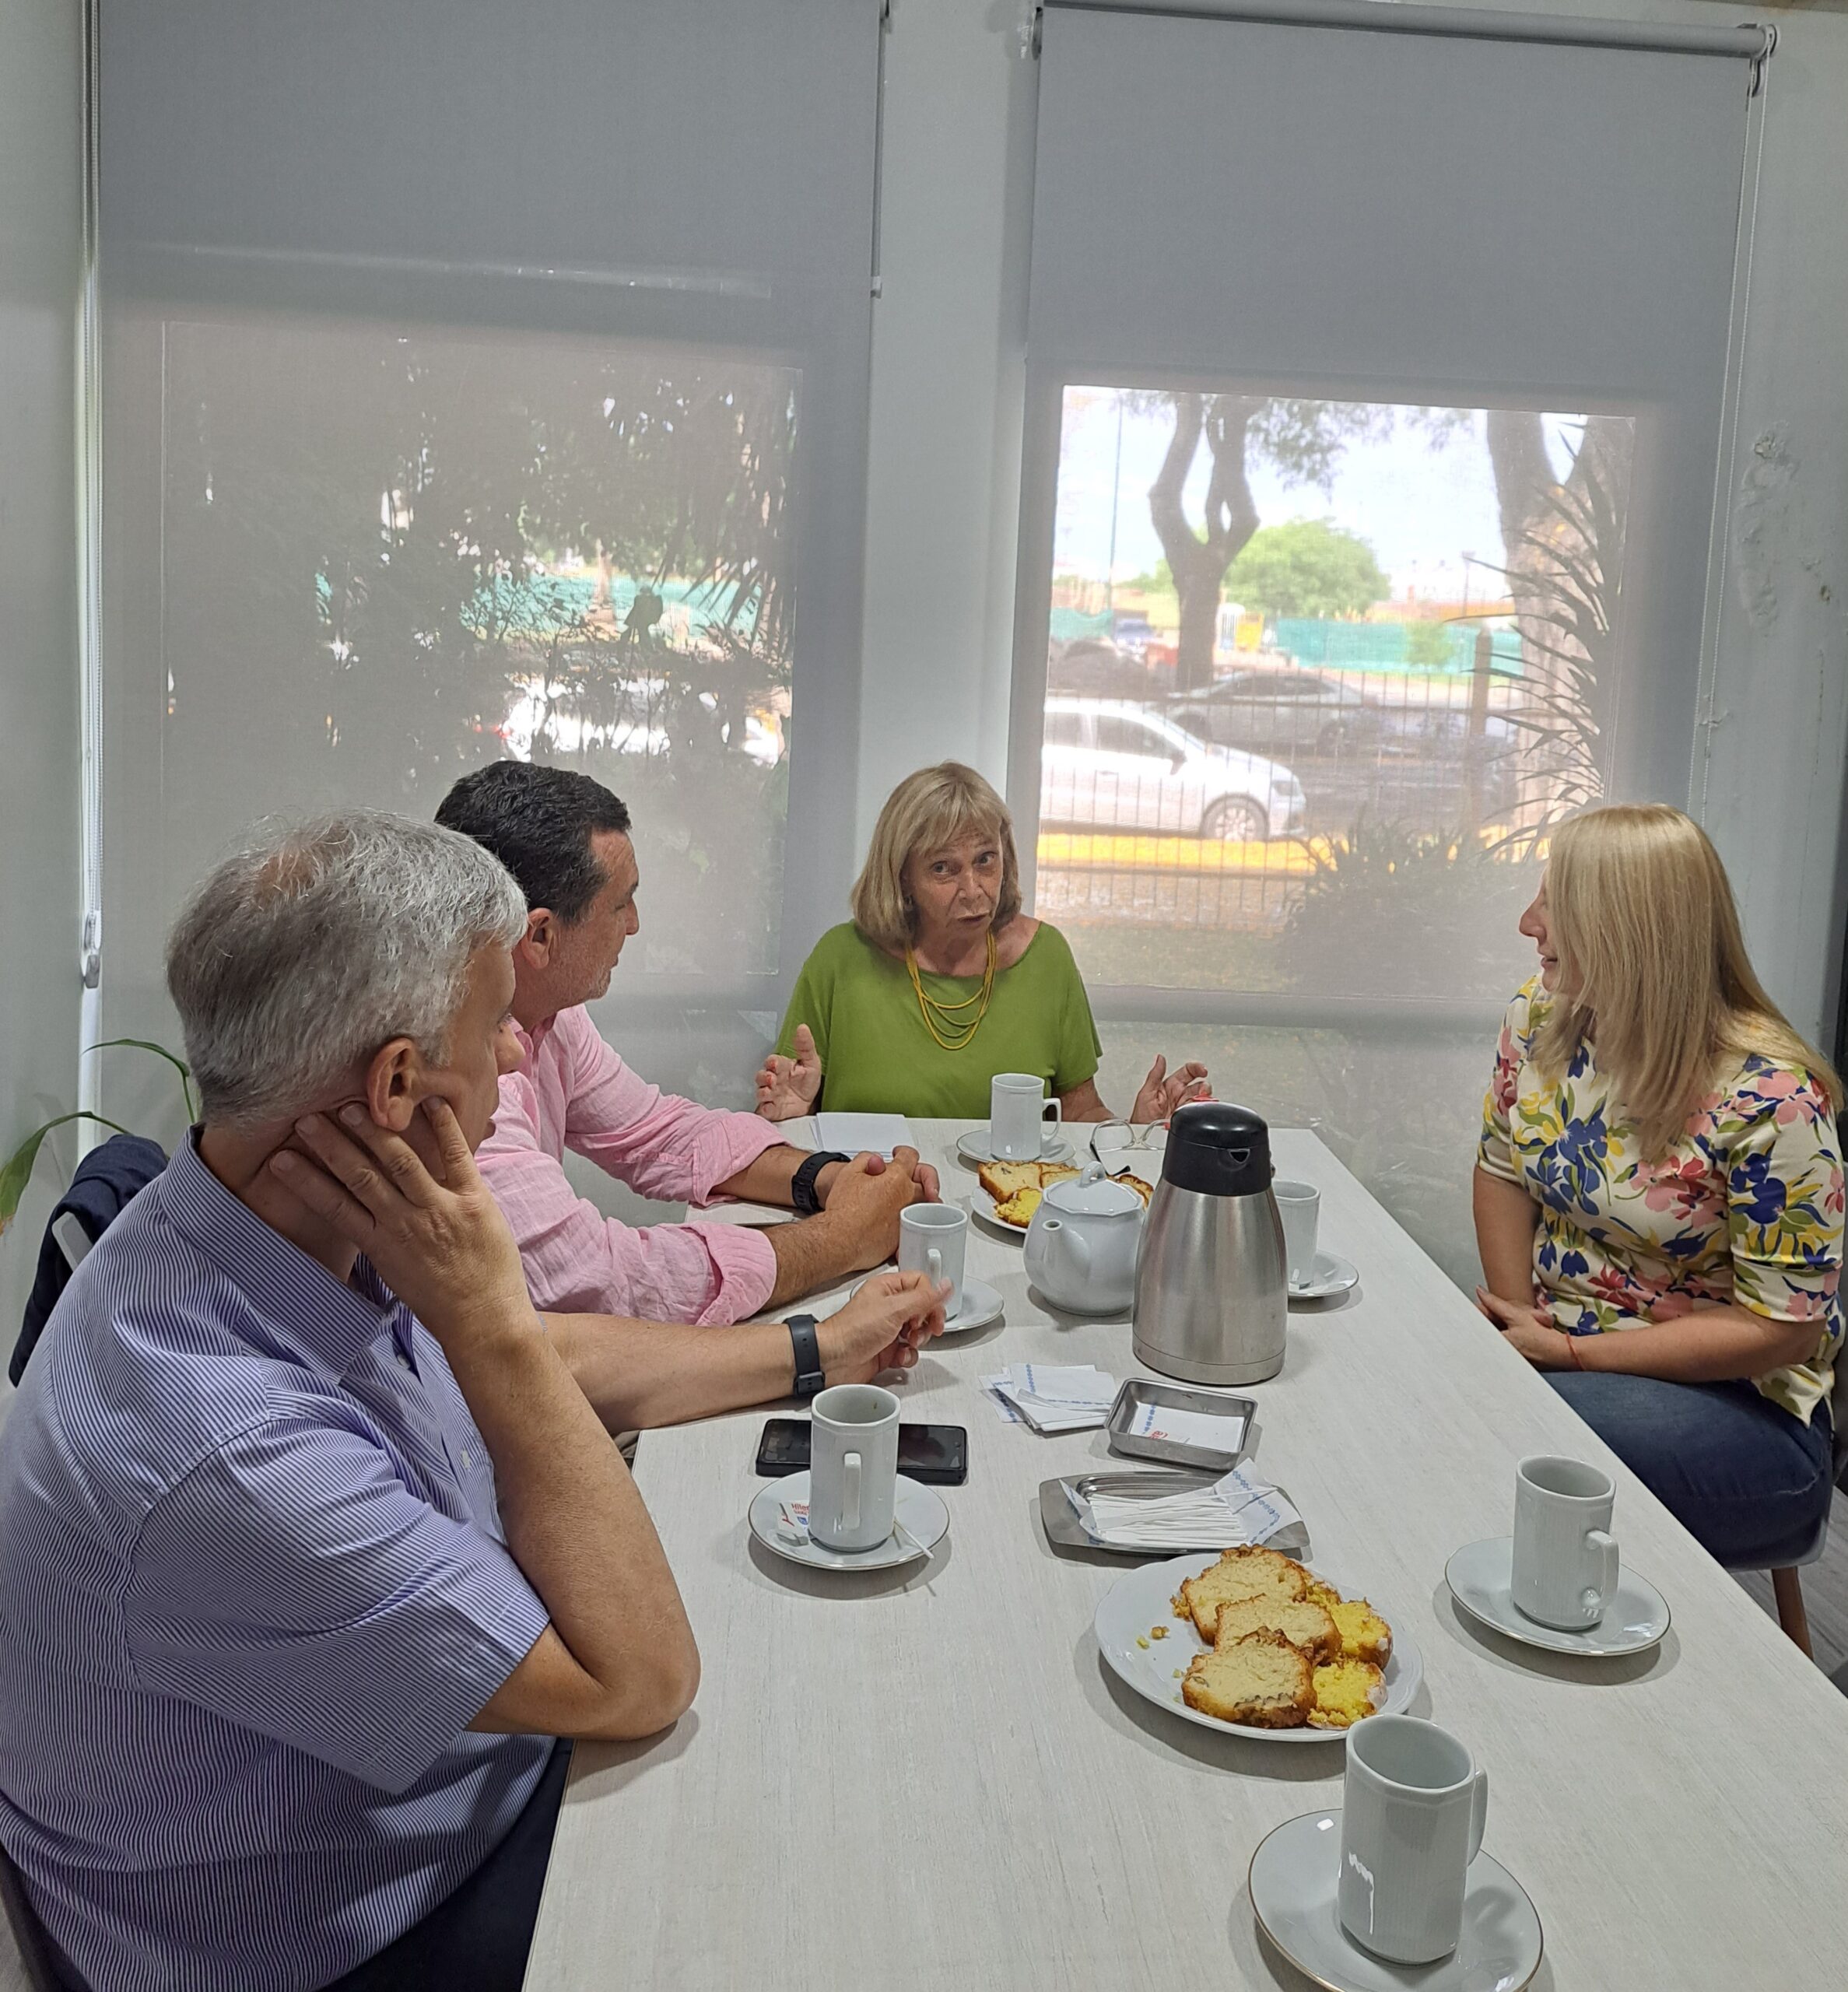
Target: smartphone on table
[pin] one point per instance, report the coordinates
(936, 1454)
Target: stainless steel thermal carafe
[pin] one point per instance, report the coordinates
(1212, 1280)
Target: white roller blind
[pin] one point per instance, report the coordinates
(483, 379)
(1376, 385)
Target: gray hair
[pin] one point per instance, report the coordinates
(319, 942)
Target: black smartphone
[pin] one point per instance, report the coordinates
(936, 1454)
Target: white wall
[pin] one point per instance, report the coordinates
(948, 377)
(41, 267)
(948, 342)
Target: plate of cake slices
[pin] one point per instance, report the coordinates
(1254, 1642)
(1007, 1193)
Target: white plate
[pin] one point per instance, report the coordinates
(1328, 1276)
(1294, 1874)
(974, 1147)
(920, 1509)
(1478, 1576)
(981, 1304)
(1145, 1599)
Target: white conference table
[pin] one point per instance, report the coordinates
(930, 1779)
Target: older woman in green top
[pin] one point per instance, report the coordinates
(940, 980)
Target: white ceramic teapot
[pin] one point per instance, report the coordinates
(1081, 1246)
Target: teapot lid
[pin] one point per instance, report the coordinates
(1092, 1195)
(1218, 1148)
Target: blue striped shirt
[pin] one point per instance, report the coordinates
(253, 1588)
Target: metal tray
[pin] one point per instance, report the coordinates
(1234, 1413)
(1059, 1519)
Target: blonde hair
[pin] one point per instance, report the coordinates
(1647, 935)
(926, 811)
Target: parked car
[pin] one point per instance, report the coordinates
(1107, 764)
(1290, 712)
(1133, 634)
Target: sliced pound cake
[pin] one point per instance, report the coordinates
(1263, 1682)
(1301, 1620)
(1365, 1634)
(1344, 1692)
(1239, 1573)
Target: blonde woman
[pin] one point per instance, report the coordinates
(940, 981)
(1659, 1192)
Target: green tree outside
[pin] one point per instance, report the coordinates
(1308, 567)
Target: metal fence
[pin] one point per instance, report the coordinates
(1210, 809)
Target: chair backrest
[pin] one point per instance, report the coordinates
(1838, 1404)
(28, 1932)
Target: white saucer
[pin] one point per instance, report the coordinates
(981, 1304)
(1328, 1276)
(1292, 1882)
(1478, 1578)
(920, 1508)
(974, 1147)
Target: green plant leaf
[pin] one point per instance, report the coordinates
(160, 1051)
(18, 1172)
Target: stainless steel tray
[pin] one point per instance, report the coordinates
(1059, 1519)
(1235, 1414)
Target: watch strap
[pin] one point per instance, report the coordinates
(810, 1376)
(803, 1197)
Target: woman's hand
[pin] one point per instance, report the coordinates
(443, 1247)
(1163, 1091)
(881, 1327)
(1528, 1330)
(788, 1088)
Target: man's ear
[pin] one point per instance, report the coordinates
(535, 947)
(394, 1084)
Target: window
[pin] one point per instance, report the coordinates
(1462, 706)
(393, 554)
(1392, 485)
(422, 447)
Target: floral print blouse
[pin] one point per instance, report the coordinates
(1745, 1208)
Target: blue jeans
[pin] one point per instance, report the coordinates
(1747, 1481)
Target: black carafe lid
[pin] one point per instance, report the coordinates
(1218, 1148)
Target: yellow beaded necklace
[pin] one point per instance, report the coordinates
(951, 1031)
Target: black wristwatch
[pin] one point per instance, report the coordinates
(802, 1185)
(809, 1375)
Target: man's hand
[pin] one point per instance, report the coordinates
(1163, 1092)
(788, 1088)
(1528, 1330)
(881, 1327)
(863, 1204)
(922, 1174)
(443, 1247)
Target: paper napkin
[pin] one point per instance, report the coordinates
(1053, 1399)
(1239, 1508)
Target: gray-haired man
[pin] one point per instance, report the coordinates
(303, 1515)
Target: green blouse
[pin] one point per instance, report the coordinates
(877, 1057)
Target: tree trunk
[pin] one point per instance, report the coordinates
(1198, 562)
(1563, 551)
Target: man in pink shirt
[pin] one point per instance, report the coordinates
(565, 838)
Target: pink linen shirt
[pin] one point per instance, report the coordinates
(574, 1093)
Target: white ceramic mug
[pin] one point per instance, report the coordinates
(853, 1466)
(1565, 1558)
(934, 1239)
(1413, 1808)
(1017, 1112)
(1299, 1204)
